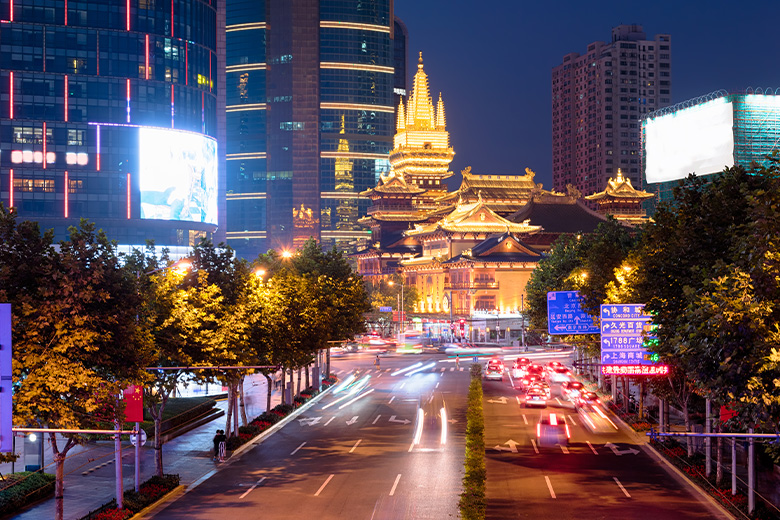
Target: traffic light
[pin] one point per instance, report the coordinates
(462, 325)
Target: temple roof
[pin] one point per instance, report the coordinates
(504, 247)
(559, 215)
(393, 183)
(475, 217)
(620, 188)
(509, 189)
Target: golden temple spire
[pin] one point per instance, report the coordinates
(401, 123)
(441, 121)
(619, 177)
(420, 109)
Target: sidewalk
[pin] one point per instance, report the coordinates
(189, 456)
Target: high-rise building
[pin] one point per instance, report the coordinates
(598, 99)
(108, 112)
(310, 118)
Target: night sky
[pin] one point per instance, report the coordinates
(492, 61)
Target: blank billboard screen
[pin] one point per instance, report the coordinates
(177, 175)
(698, 140)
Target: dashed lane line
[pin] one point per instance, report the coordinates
(621, 487)
(253, 487)
(356, 445)
(592, 448)
(298, 448)
(549, 486)
(323, 486)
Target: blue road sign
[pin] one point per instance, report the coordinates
(622, 340)
(566, 316)
(385, 309)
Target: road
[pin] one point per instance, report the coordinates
(597, 476)
(347, 458)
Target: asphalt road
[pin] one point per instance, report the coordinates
(597, 476)
(346, 458)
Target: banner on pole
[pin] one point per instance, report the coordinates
(134, 404)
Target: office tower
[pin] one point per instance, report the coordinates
(108, 111)
(598, 99)
(310, 119)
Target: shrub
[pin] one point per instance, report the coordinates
(472, 500)
(282, 409)
(22, 488)
(150, 492)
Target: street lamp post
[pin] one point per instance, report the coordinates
(400, 310)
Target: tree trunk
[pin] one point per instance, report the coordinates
(59, 485)
(688, 440)
(229, 415)
(308, 383)
(283, 386)
(327, 361)
(242, 396)
(156, 412)
(719, 457)
(298, 386)
(269, 383)
(641, 411)
(292, 383)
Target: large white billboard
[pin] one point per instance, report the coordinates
(177, 175)
(698, 140)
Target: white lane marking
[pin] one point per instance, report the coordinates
(572, 420)
(460, 369)
(361, 396)
(391, 400)
(388, 369)
(392, 491)
(296, 449)
(525, 419)
(592, 448)
(535, 448)
(378, 375)
(437, 385)
(327, 423)
(355, 446)
(443, 369)
(253, 487)
(411, 446)
(518, 399)
(559, 401)
(323, 486)
(402, 385)
(564, 449)
(377, 418)
(549, 486)
(621, 487)
(452, 369)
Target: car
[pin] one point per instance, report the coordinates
(552, 429)
(571, 390)
(587, 398)
(542, 386)
(494, 371)
(528, 381)
(536, 397)
(519, 367)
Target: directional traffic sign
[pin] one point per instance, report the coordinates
(623, 334)
(566, 316)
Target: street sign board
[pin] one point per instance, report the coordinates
(385, 309)
(566, 316)
(622, 335)
(6, 374)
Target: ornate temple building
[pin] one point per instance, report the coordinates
(469, 253)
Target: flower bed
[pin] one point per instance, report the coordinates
(22, 488)
(150, 492)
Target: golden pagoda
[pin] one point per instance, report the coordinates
(421, 147)
(504, 194)
(347, 209)
(621, 200)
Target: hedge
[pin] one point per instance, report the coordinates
(149, 492)
(25, 487)
(472, 500)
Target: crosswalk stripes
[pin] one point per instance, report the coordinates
(452, 368)
(443, 369)
(460, 369)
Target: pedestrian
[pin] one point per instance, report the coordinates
(222, 439)
(457, 361)
(216, 445)
(376, 361)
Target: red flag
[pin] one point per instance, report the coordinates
(134, 404)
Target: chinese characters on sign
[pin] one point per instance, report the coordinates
(566, 316)
(623, 329)
(634, 370)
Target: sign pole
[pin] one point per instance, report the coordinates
(137, 457)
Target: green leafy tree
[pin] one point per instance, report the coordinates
(79, 345)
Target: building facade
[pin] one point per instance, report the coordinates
(598, 99)
(310, 119)
(108, 112)
(705, 134)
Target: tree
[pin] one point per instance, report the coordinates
(79, 345)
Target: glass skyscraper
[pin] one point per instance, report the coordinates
(108, 111)
(310, 119)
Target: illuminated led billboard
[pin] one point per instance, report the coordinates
(177, 175)
(699, 140)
